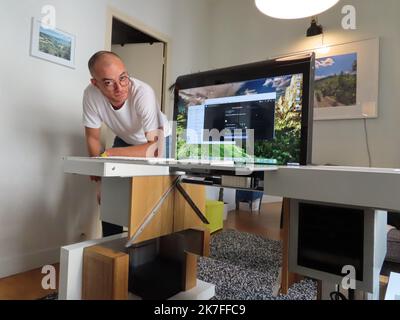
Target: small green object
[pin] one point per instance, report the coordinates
(214, 214)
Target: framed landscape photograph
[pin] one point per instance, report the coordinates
(52, 44)
(347, 81)
(336, 81)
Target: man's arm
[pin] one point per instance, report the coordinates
(93, 141)
(94, 148)
(153, 149)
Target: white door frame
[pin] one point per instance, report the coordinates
(114, 13)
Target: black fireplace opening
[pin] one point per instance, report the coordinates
(330, 238)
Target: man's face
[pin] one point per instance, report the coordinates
(111, 78)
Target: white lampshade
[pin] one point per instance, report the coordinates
(294, 9)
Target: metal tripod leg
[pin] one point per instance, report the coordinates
(191, 203)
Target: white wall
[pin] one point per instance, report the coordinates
(42, 209)
(212, 193)
(242, 34)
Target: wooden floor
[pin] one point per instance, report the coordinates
(27, 286)
(265, 223)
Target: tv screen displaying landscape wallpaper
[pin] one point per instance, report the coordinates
(258, 121)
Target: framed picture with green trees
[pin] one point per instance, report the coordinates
(347, 81)
(52, 44)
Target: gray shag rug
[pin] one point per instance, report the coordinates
(245, 266)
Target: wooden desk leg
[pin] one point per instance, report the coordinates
(105, 274)
(206, 243)
(174, 215)
(190, 274)
(287, 278)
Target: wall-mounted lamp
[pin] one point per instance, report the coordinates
(294, 9)
(315, 29)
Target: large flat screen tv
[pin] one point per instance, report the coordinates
(259, 113)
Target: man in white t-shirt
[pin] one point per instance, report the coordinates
(127, 106)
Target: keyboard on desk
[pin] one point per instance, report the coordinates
(140, 159)
(173, 161)
(207, 162)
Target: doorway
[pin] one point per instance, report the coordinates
(144, 52)
(143, 55)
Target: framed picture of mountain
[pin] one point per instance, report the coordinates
(52, 44)
(347, 81)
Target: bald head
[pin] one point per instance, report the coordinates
(109, 75)
(103, 59)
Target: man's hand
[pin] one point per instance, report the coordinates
(95, 179)
(147, 150)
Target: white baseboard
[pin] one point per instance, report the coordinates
(271, 199)
(30, 261)
(231, 206)
(244, 206)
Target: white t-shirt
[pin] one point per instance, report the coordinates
(139, 114)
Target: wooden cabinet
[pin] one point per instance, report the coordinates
(129, 201)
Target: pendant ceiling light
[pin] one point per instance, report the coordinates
(294, 9)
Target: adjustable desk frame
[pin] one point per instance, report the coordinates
(374, 188)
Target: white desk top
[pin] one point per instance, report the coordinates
(124, 166)
(131, 167)
(112, 168)
(370, 187)
(377, 188)
(344, 169)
